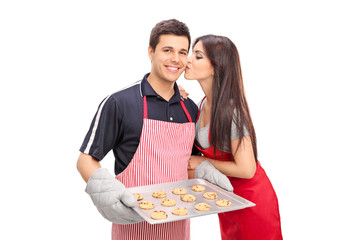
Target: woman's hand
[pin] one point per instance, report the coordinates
(195, 161)
(183, 93)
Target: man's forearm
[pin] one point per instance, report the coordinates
(87, 165)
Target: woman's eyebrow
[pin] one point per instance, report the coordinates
(198, 51)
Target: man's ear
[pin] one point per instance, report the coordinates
(150, 52)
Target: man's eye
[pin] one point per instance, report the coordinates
(183, 53)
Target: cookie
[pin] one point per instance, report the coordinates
(138, 196)
(146, 205)
(223, 203)
(210, 195)
(168, 202)
(159, 194)
(179, 191)
(157, 215)
(180, 211)
(198, 188)
(188, 198)
(202, 207)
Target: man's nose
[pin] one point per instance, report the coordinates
(176, 57)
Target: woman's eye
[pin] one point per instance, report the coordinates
(198, 57)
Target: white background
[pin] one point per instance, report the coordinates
(59, 59)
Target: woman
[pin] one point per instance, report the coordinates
(225, 135)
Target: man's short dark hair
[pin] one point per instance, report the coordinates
(171, 26)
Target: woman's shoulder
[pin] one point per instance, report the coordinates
(201, 103)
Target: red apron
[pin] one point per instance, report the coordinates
(261, 222)
(162, 156)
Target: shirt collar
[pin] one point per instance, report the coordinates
(147, 90)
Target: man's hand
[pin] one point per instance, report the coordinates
(111, 198)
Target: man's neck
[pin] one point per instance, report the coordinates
(163, 88)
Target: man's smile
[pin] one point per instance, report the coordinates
(172, 68)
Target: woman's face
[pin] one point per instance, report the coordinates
(199, 66)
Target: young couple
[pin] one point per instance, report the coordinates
(151, 128)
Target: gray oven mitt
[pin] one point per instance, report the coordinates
(111, 198)
(208, 172)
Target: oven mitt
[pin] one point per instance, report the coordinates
(111, 198)
(208, 172)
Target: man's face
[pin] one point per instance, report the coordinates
(170, 57)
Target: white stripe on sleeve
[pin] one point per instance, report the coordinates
(92, 136)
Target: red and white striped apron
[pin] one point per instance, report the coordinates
(162, 156)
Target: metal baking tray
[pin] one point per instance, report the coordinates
(237, 202)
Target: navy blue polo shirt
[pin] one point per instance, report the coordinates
(117, 124)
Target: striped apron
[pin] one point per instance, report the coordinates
(162, 156)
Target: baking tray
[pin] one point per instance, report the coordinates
(237, 202)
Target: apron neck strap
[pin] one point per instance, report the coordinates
(145, 108)
(186, 111)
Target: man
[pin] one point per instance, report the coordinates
(150, 130)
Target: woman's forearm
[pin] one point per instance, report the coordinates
(243, 166)
(231, 169)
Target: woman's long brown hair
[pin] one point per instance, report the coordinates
(228, 95)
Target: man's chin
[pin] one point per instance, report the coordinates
(173, 78)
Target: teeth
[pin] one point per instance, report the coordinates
(173, 68)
